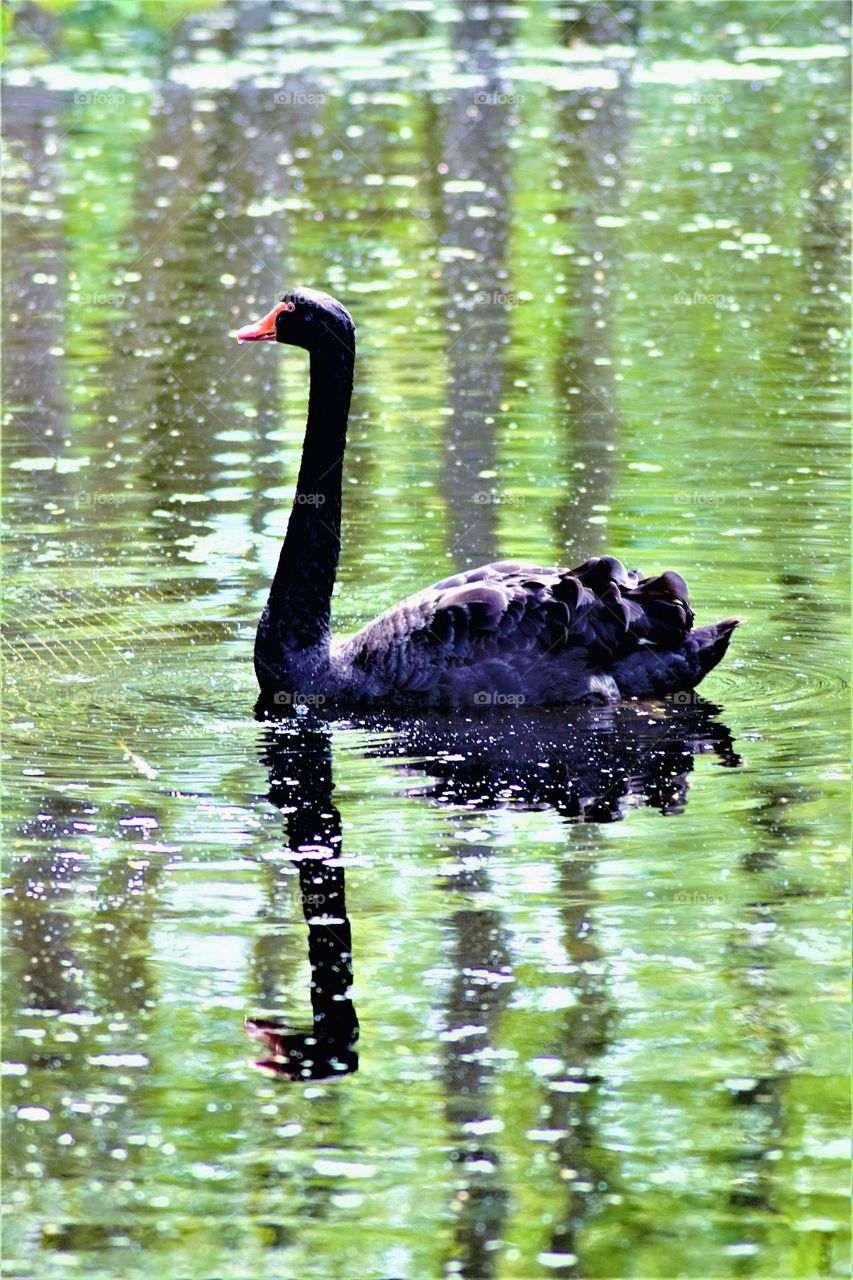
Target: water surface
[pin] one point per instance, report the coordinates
(596, 257)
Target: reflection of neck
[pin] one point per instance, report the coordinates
(315, 825)
(301, 783)
(298, 610)
(329, 953)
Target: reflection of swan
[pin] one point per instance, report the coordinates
(513, 631)
(589, 763)
(300, 772)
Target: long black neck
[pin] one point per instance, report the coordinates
(296, 620)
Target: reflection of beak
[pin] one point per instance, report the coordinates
(269, 1033)
(262, 330)
(299, 1055)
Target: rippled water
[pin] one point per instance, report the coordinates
(596, 258)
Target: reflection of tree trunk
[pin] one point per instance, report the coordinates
(43, 933)
(583, 1040)
(759, 1101)
(127, 896)
(37, 20)
(474, 276)
(480, 950)
(585, 369)
(34, 392)
(111, 970)
(182, 389)
(824, 254)
(300, 771)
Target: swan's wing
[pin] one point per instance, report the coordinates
(514, 627)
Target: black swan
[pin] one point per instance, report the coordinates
(501, 634)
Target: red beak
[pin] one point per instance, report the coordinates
(262, 330)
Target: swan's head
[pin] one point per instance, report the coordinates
(303, 318)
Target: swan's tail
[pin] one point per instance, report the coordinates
(653, 672)
(707, 645)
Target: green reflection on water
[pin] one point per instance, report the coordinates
(595, 259)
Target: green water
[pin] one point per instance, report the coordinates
(596, 257)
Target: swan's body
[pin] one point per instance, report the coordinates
(504, 633)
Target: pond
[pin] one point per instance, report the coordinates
(581, 978)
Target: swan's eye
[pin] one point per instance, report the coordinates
(288, 306)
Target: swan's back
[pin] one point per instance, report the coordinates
(513, 632)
